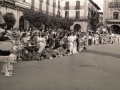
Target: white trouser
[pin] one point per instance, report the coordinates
(71, 47)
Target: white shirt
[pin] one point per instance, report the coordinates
(71, 39)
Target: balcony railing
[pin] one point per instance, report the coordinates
(41, 0)
(54, 4)
(77, 7)
(113, 20)
(81, 18)
(66, 8)
(22, 4)
(114, 5)
(9, 1)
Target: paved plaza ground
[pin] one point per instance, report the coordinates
(97, 68)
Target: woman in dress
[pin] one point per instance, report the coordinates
(41, 42)
(70, 43)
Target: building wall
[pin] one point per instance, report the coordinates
(44, 6)
(16, 12)
(108, 12)
(72, 10)
(83, 25)
(85, 5)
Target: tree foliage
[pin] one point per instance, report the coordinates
(36, 18)
(9, 20)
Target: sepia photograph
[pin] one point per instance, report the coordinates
(59, 44)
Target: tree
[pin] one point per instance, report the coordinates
(36, 18)
(9, 20)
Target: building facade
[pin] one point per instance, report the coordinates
(112, 15)
(101, 18)
(14, 6)
(81, 11)
(50, 7)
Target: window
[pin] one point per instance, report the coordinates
(58, 13)
(67, 5)
(58, 4)
(66, 14)
(77, 4)
(53, 11)
(41, 0)
(47, 9)
(115, 15)
(40, 6)
(77, 14)
(54, 3)
(24, 0)
(32, 7)
(47, 2)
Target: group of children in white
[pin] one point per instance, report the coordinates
(104, 38)
(34, 44)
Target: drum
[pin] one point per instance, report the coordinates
(5, 48)
(5, 51)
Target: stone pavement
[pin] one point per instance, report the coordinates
(97, 68)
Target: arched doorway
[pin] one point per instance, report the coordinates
(77, 27)
(21, 23)
(115, 29)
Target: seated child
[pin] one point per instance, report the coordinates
(61, 51)
(47, 53)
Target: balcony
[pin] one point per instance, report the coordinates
(114, 5)
(109, 21)
(59, 6)
(66, 8)
(77, 7)
(81, 18)
(41, 1)
(54, 4)
(9, 1)
(22, 4)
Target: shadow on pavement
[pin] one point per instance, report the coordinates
(103, 53)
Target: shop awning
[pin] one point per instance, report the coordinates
(114, 21)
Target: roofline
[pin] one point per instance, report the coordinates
(95, 5)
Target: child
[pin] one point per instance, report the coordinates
(61, 51)
(47, 53)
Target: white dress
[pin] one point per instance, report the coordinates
(41, 43)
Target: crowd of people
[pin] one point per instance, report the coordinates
(35, 44)
(103, 38)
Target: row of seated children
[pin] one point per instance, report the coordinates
(31, 53)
